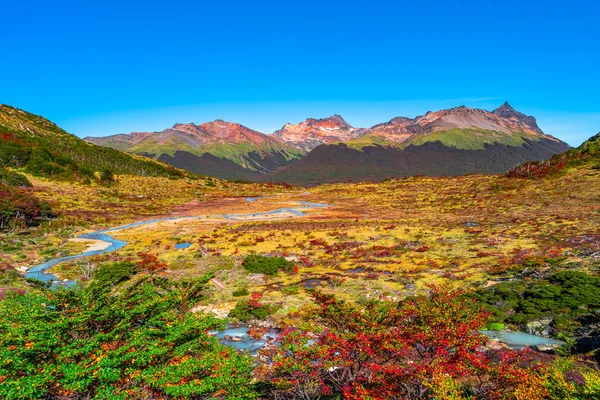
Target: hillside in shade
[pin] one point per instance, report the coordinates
(456, 141)
(341, 163)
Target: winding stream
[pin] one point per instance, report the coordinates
(41, 273)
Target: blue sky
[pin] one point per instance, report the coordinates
(105, 67)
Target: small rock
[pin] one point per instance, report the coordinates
(257, 278)
(546, 347)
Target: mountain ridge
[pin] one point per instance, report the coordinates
(260, 156)
(185, 145)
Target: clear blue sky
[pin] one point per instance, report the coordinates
(105, 67)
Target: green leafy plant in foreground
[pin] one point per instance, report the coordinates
(140, 343)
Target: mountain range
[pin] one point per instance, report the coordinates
(222, 149)
(455, 141)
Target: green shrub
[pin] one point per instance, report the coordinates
(114, 272)
(495, 326)
(139, 343)
(291, 290)
(10, 178)
(9, 276)
(566, 296)
(241, 292)
(266, 265)
(10, 247)
(107, 177)
(243, 311)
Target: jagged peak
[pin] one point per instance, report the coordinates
(507, 111)
(505, 107)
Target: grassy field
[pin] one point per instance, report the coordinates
(84, 208)
(385, 240)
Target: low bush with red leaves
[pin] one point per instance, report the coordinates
(416, 349)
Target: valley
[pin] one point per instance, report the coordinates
(389, 239)
(513, 255)
(295, 200)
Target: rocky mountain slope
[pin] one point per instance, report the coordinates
(314, 132)
(456, 141)
(218, 148)
(459, 127)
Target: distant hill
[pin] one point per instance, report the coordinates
(39, 146)
(222, 149)
(449, 142)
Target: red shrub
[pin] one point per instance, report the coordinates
(150, 263)
(392, 351)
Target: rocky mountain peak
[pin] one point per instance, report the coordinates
(334, 120)
(313, 132)
(506, 106)
(507, 111)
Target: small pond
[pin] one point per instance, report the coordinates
(520, 340)
(238, 338)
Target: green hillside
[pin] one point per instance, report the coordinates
(590, 148)
(40, 147)
(236, 152)
(588, 154)
(471, 139)
(465, 139)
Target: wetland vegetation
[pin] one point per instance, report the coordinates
(381, 294)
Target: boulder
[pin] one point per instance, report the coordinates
(540, 327)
